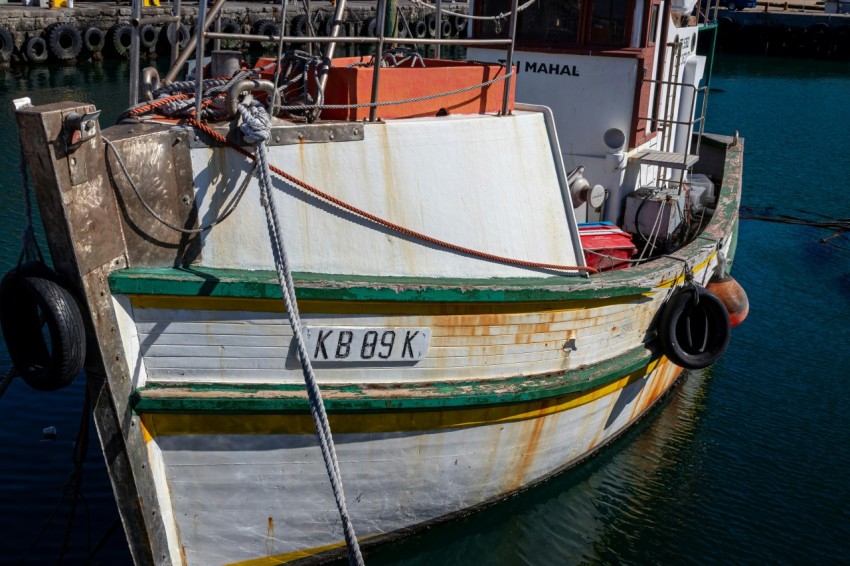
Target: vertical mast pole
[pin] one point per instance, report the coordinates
(379, 55)
(134, 53)
(509, 58)
(199, 56)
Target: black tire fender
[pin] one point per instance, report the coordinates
(327, 26)
(369, 28)
(298, 26)
(35, 50)
(459, 24)
(65, 42)
(180, 34)
(431, 22)
(265, 27)
(122, 37)
(445, 29)
(7, 44)
(420, 29)
(30, 297)
(694, 328)
(148, 36)
(94, 39)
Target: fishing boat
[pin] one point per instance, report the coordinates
(324, 302)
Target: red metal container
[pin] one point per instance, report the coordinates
(353, 85)
(606, 246)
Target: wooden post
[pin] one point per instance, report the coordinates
(83, 225)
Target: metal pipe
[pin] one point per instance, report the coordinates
(355, 40)
(509, 58)
(329, 54)
(134, 54)
(438, 19)
(175, 47)
(199, 55)
(308, 12)
(175, 68)
(275, 97)
(217, 41)
(379, 56)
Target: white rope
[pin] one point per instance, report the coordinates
(256, 128)
(498, 17)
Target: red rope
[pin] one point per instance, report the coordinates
(386, 223)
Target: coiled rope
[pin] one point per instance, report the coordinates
(256, 128)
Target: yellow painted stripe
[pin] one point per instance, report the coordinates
(294, 555)
(172, 424)
(177, 302)
(681, 278)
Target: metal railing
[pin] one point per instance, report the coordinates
(205, 19)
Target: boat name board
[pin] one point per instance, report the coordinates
(362, 344)
(544, 68)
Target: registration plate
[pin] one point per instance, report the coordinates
(374, 345)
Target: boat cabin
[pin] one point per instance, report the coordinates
(621, 78)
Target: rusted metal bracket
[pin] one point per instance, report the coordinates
(79, 128)
(289, 135)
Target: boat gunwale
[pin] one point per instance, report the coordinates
(242, 398)
(660, 272)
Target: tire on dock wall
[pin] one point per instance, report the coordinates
(181, 33)
(65, 42)
(264, 27)
(35, 50)
(120, 38)
(298, 26)
(7, 45)
(148, 37)
(94, 40)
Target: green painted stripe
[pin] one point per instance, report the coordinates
(277, 398)
(210, 282)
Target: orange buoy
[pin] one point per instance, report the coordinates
(732, 295)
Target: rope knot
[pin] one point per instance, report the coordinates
(256, 124)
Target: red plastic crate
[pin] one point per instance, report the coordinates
(608, 240)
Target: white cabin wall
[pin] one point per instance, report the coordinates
(588, 96)
(483, 182)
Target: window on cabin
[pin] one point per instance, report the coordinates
(608, 24)
(561, 23)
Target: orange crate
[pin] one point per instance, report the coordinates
(353, 85)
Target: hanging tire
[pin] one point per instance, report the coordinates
(65, 42)
(369, 27)
(122, 38)
(694, 328)
(445, 28)
(298, 26)
(431, 22)
(94, 39)
(420, 29)
(459, 24)
(148, 37)
(327, 26)
(30, 298)
(7, 44)
(265, 27)
(402, 29)
(177, 33)
(35, 50)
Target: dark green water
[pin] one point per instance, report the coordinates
(744, 463)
